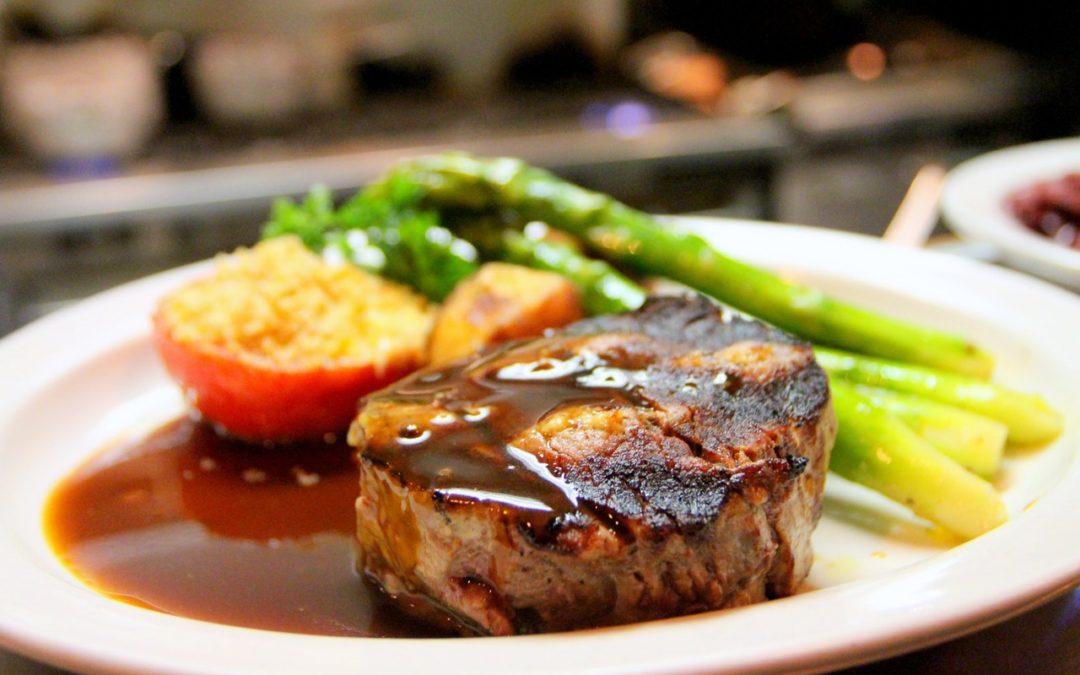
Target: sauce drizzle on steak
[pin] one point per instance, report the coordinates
(461, 452)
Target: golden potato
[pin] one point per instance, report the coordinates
(501, 302)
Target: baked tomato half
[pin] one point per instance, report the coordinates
(278, 345)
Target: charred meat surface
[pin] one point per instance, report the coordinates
(661, 462)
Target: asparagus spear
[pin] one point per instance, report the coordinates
(877, 450)
(974, 441)
(632, 238)
(1029, 418)
(603, 289)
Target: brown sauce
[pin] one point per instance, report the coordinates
(188, 523)
(463, 451)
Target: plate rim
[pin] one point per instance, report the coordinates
(967, 615)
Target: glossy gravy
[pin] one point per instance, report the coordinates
(462, 418)
(188, 523)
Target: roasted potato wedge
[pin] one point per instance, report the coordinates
(501, 302)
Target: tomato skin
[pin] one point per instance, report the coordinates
(261, 403)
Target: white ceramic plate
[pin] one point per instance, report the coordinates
(883, 582)
(973, 205)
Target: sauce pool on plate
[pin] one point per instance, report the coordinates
(188, 523)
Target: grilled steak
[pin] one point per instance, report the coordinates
(650, 464)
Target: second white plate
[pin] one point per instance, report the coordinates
(973, 205)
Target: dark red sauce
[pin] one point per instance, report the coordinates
(188, 523)
(1050, 208)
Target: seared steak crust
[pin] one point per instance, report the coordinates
(661, 462)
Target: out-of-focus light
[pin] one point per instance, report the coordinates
(77, 168)
(628, 119)
(866, 61)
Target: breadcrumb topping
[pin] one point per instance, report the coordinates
(279, 304)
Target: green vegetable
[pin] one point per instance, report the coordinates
(309, 220)
(974, 441)
(636, 240)
(877, 450)
(389, 235)
(1029, 418)
(603, 289)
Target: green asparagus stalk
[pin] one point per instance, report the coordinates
(636, 240)
(974, 441)
(1030, 420)
(877, 450)
(603, 289)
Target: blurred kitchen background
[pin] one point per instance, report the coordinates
(142, 134)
